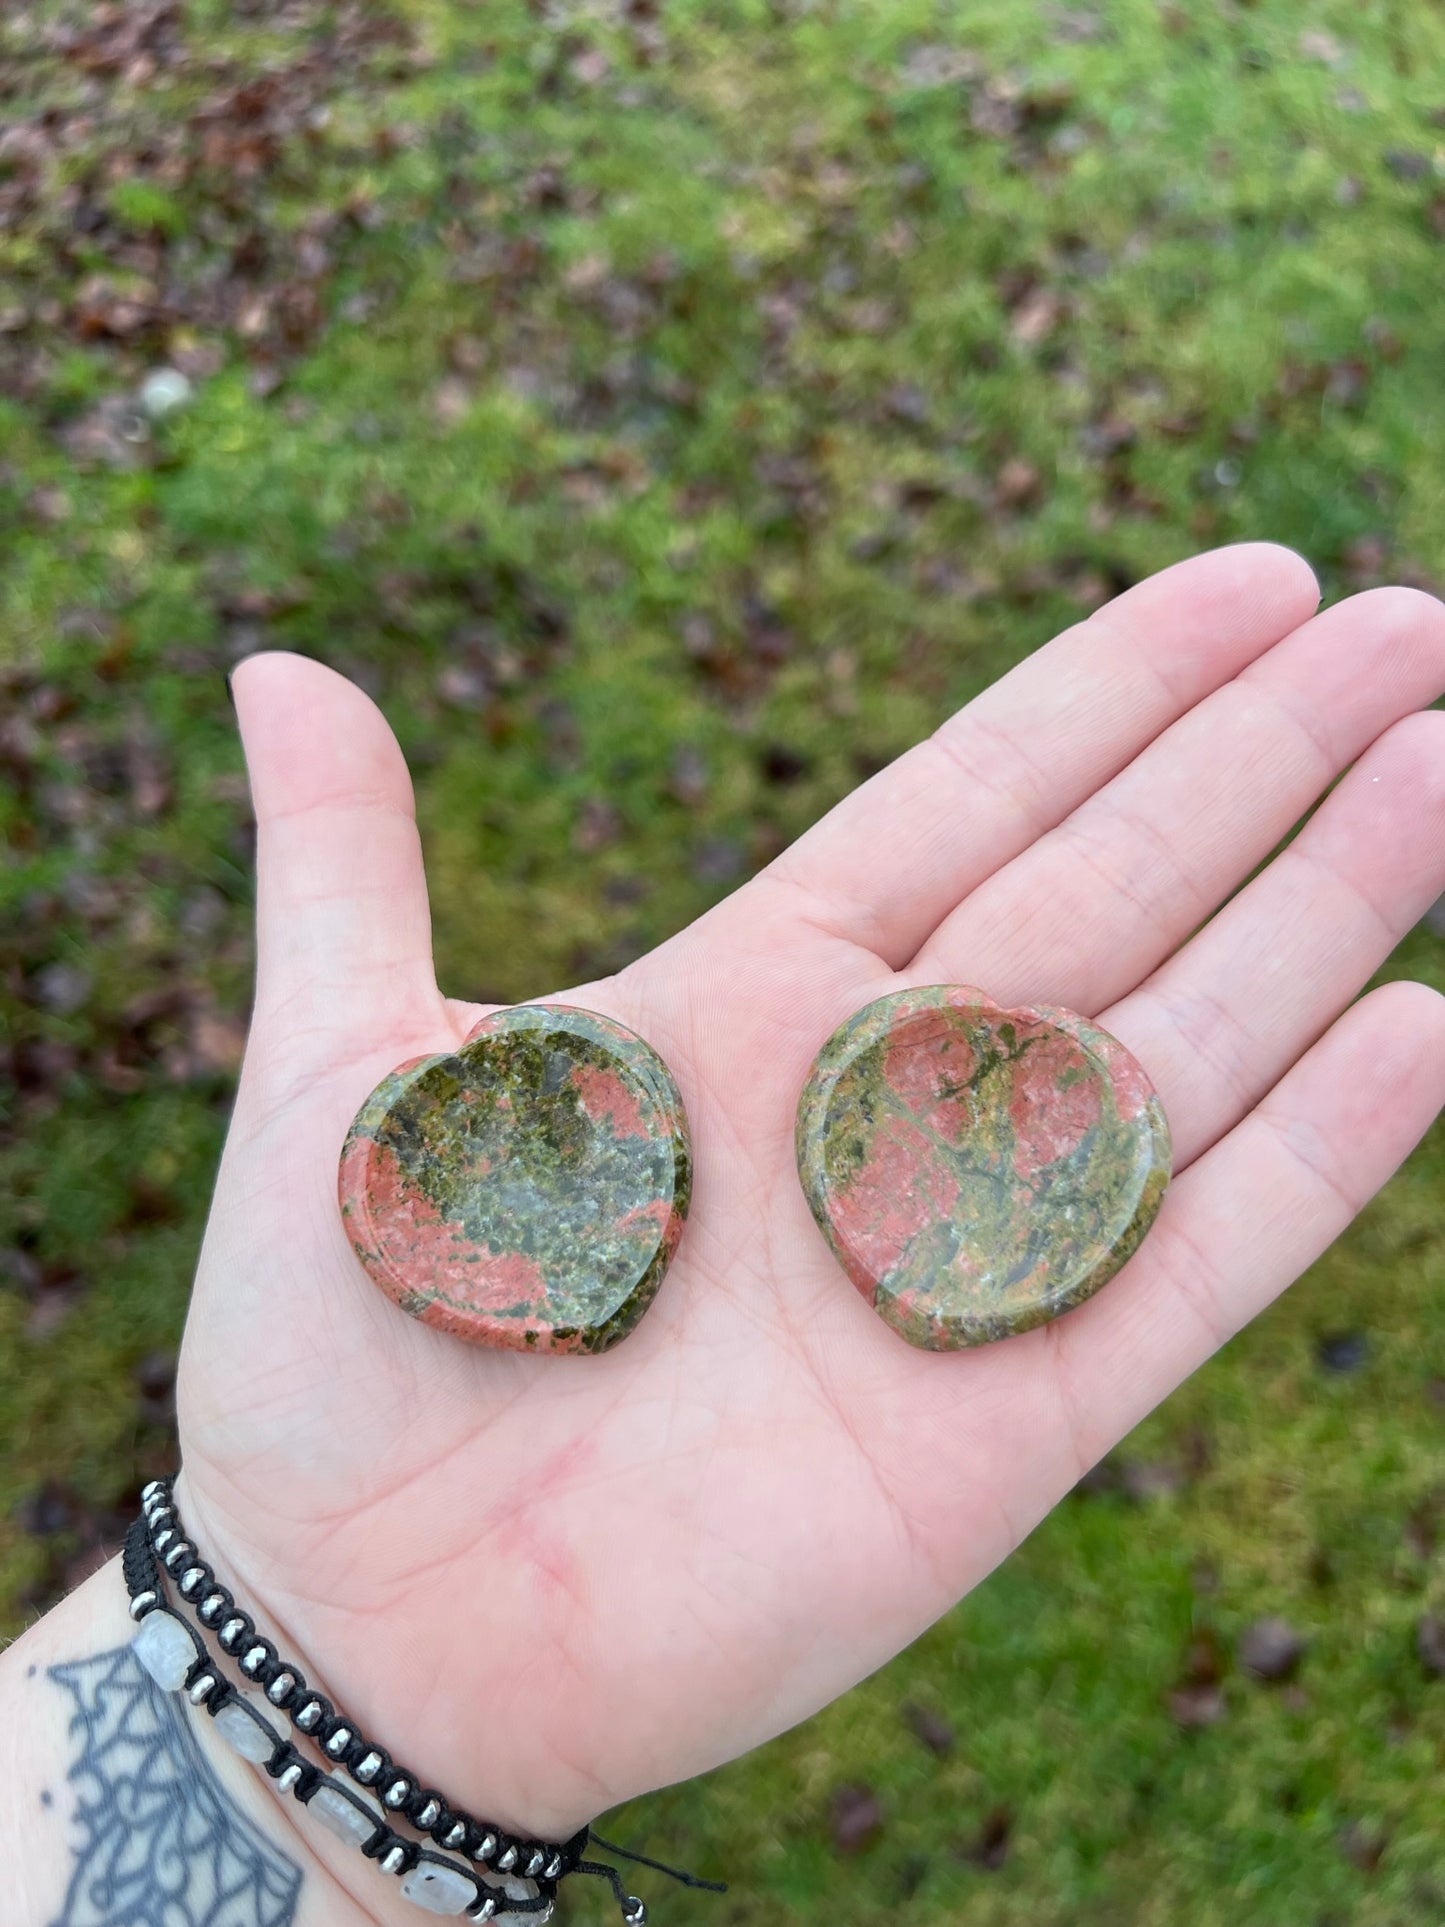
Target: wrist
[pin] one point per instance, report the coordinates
(93, 1757)
(354, 1651)
(242, 1672)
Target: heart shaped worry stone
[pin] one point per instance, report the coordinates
(528, 1190)
(976, 1170)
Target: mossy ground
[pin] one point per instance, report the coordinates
(671, 414)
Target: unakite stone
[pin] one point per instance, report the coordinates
(976, 1170)
(528, 1190)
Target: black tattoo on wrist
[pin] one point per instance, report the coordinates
(161, 1844)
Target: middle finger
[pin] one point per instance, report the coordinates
(1096, 904)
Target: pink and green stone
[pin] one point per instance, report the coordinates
(977, 1170)
(527, 1191)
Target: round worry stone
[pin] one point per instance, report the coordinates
(976, 1170)
(527, 1191)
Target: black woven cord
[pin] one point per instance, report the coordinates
(285, 1755)
(220, 1690)
(138, 1562)
(634, 1910)
(384, 1841)
(659, 1866)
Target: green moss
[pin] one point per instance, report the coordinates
(147, 208)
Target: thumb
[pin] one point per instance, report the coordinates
(343, 931)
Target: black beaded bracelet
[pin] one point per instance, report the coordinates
(176, 1656)
(158, 1554)
(339, 1737)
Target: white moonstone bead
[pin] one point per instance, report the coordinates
(336, 1813)
(438, 1890)
(241, 1733)
(163, 1647)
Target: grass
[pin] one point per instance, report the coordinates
(670, 416)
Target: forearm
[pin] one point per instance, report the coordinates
(115, 1794)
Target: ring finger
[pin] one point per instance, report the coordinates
(1225, 1018)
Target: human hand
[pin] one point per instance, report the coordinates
(550, 1583)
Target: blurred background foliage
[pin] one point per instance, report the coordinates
(669, 411)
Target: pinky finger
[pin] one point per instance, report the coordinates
(1246, 1219)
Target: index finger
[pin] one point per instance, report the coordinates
(887, 865)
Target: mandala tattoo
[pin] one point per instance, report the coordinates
(160, 1844)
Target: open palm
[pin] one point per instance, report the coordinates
(550, 1583)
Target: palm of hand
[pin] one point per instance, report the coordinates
(550, 1583)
